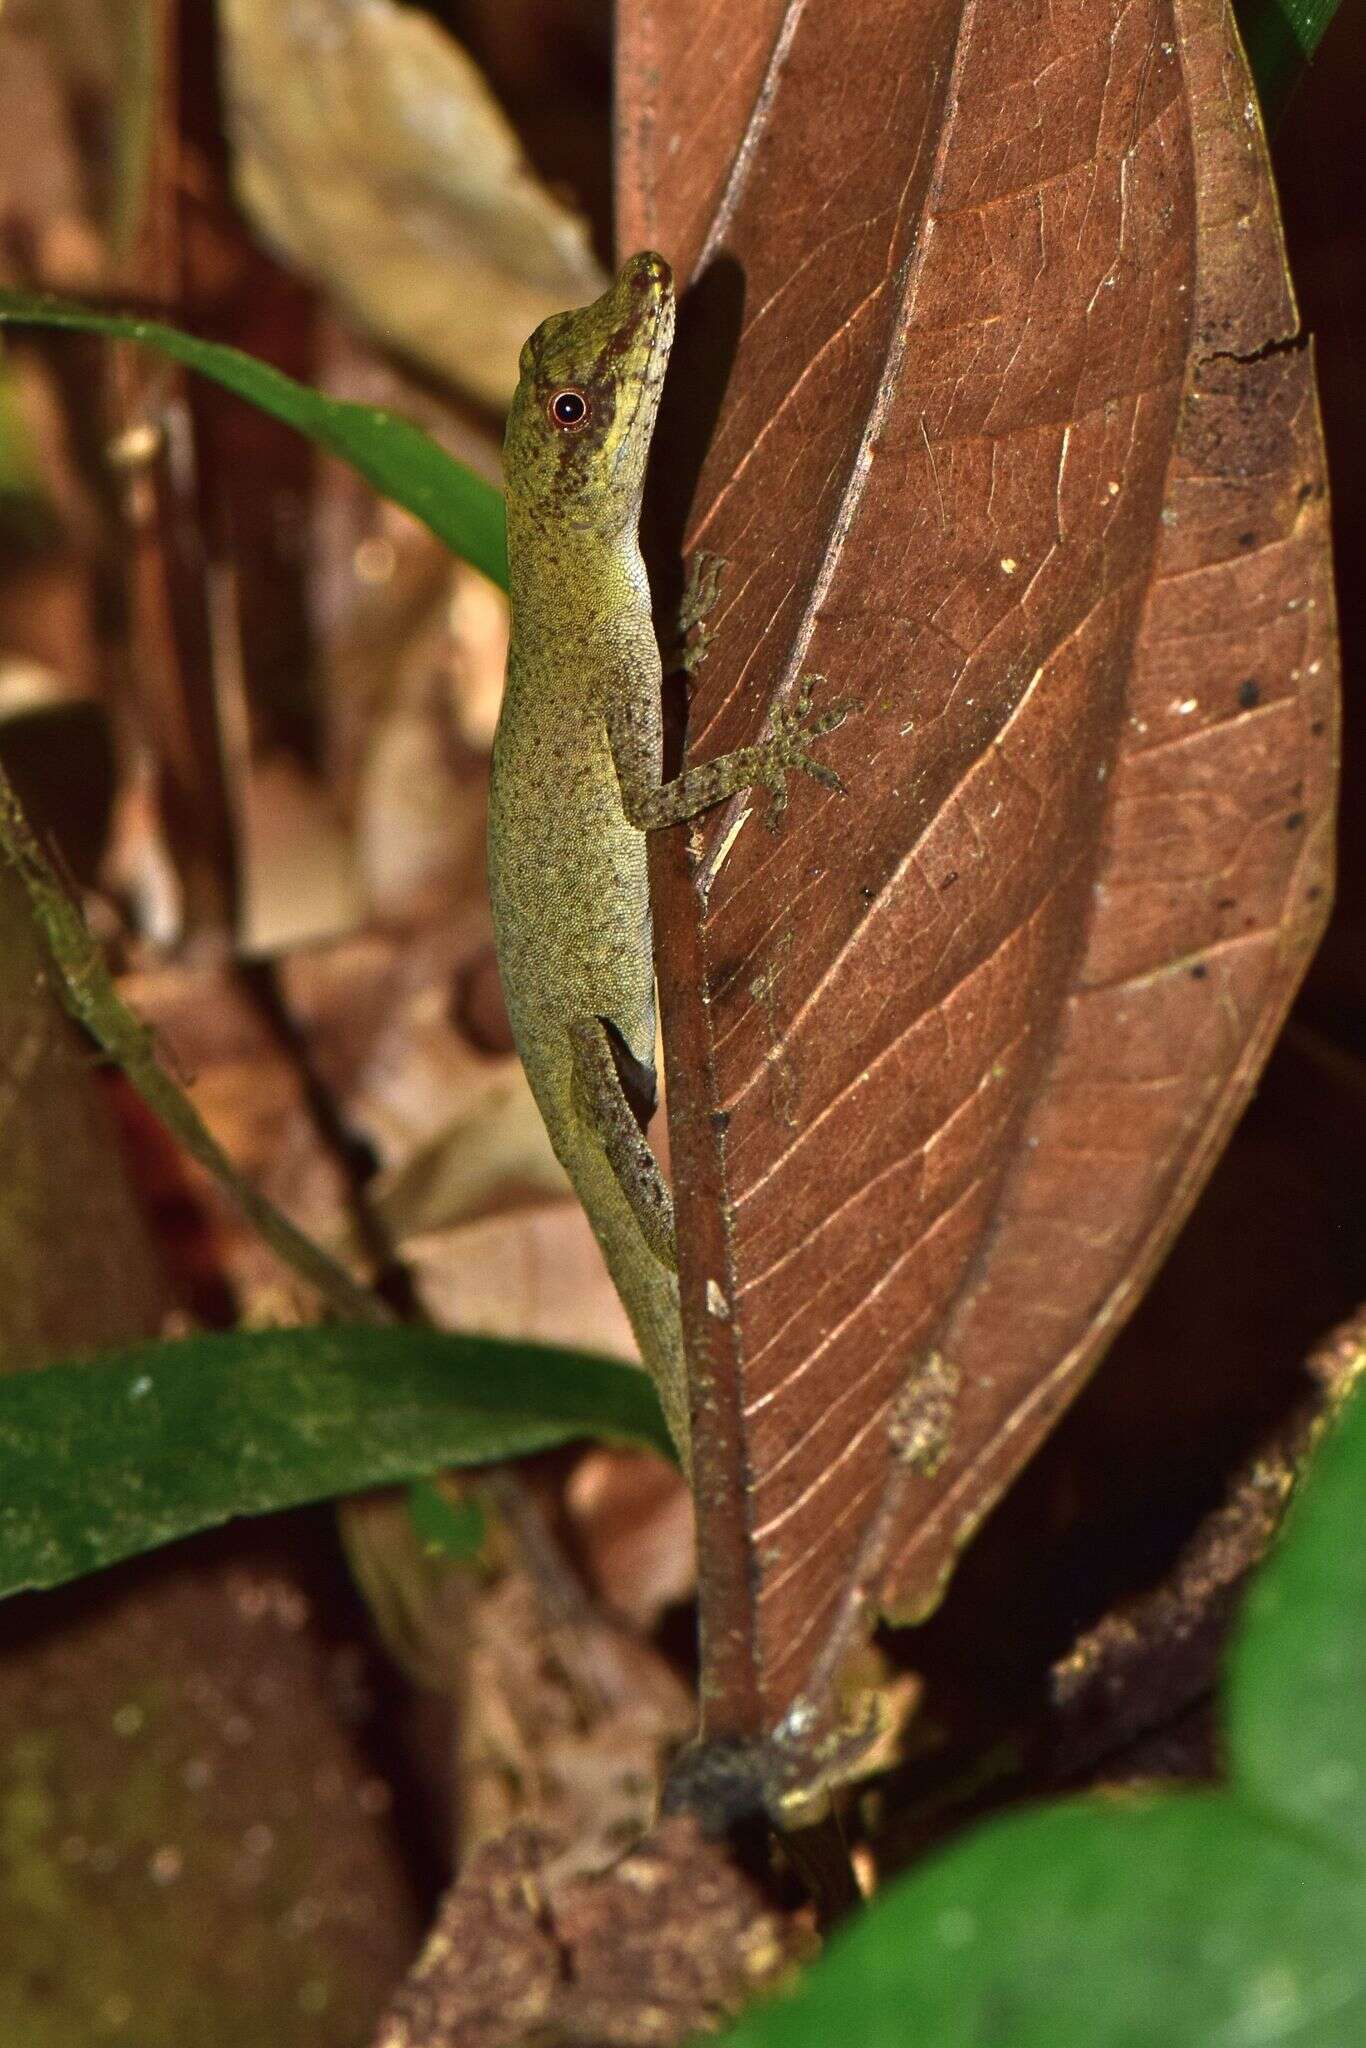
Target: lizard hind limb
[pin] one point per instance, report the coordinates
(604, 1105)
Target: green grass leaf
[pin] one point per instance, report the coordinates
(1232, 1919)
(402, 462)
(102, 1460)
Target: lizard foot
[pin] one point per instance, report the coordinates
(793, 731)
(699, 599)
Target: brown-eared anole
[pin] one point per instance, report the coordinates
(577, 765)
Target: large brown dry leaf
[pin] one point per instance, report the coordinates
(1019, 449)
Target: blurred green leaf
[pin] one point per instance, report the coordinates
(19, 475)
(1280, 37)
(25, 510)
(452, 1529)
(1232, 1919)
(104, 1459)
(1296, 1709)
(402, 462)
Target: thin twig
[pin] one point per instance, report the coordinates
(86, 991)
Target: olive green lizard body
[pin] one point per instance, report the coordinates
(576, 781)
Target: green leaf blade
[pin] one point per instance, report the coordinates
(403, 463)
(1229, 1933)
(453, 1530)
(101, 1461)
(1297, 1690)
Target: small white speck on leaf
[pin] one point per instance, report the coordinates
(956, 1927)
(799, 1720)
(1336, 1782)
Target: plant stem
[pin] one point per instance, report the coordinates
(86, 990)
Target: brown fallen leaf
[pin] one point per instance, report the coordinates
(1018, 446)
(66, 1198)
(465, 1188)
(632, 1519)
(47, 228)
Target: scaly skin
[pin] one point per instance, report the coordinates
(576, 781)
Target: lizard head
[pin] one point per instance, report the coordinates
(580, 425)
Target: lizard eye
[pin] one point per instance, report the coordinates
(569, 410)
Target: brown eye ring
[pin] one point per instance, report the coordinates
(569, 409)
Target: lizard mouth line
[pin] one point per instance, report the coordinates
(652, 378)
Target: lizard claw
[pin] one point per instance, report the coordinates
(793, 731)
(704, 585)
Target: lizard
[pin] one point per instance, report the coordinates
(576, 780)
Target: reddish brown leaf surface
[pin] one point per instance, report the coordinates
(1019, 449)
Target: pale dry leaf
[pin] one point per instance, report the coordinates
(534, 1272)
(633, 1525)
(300, 881)
(371, 153)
